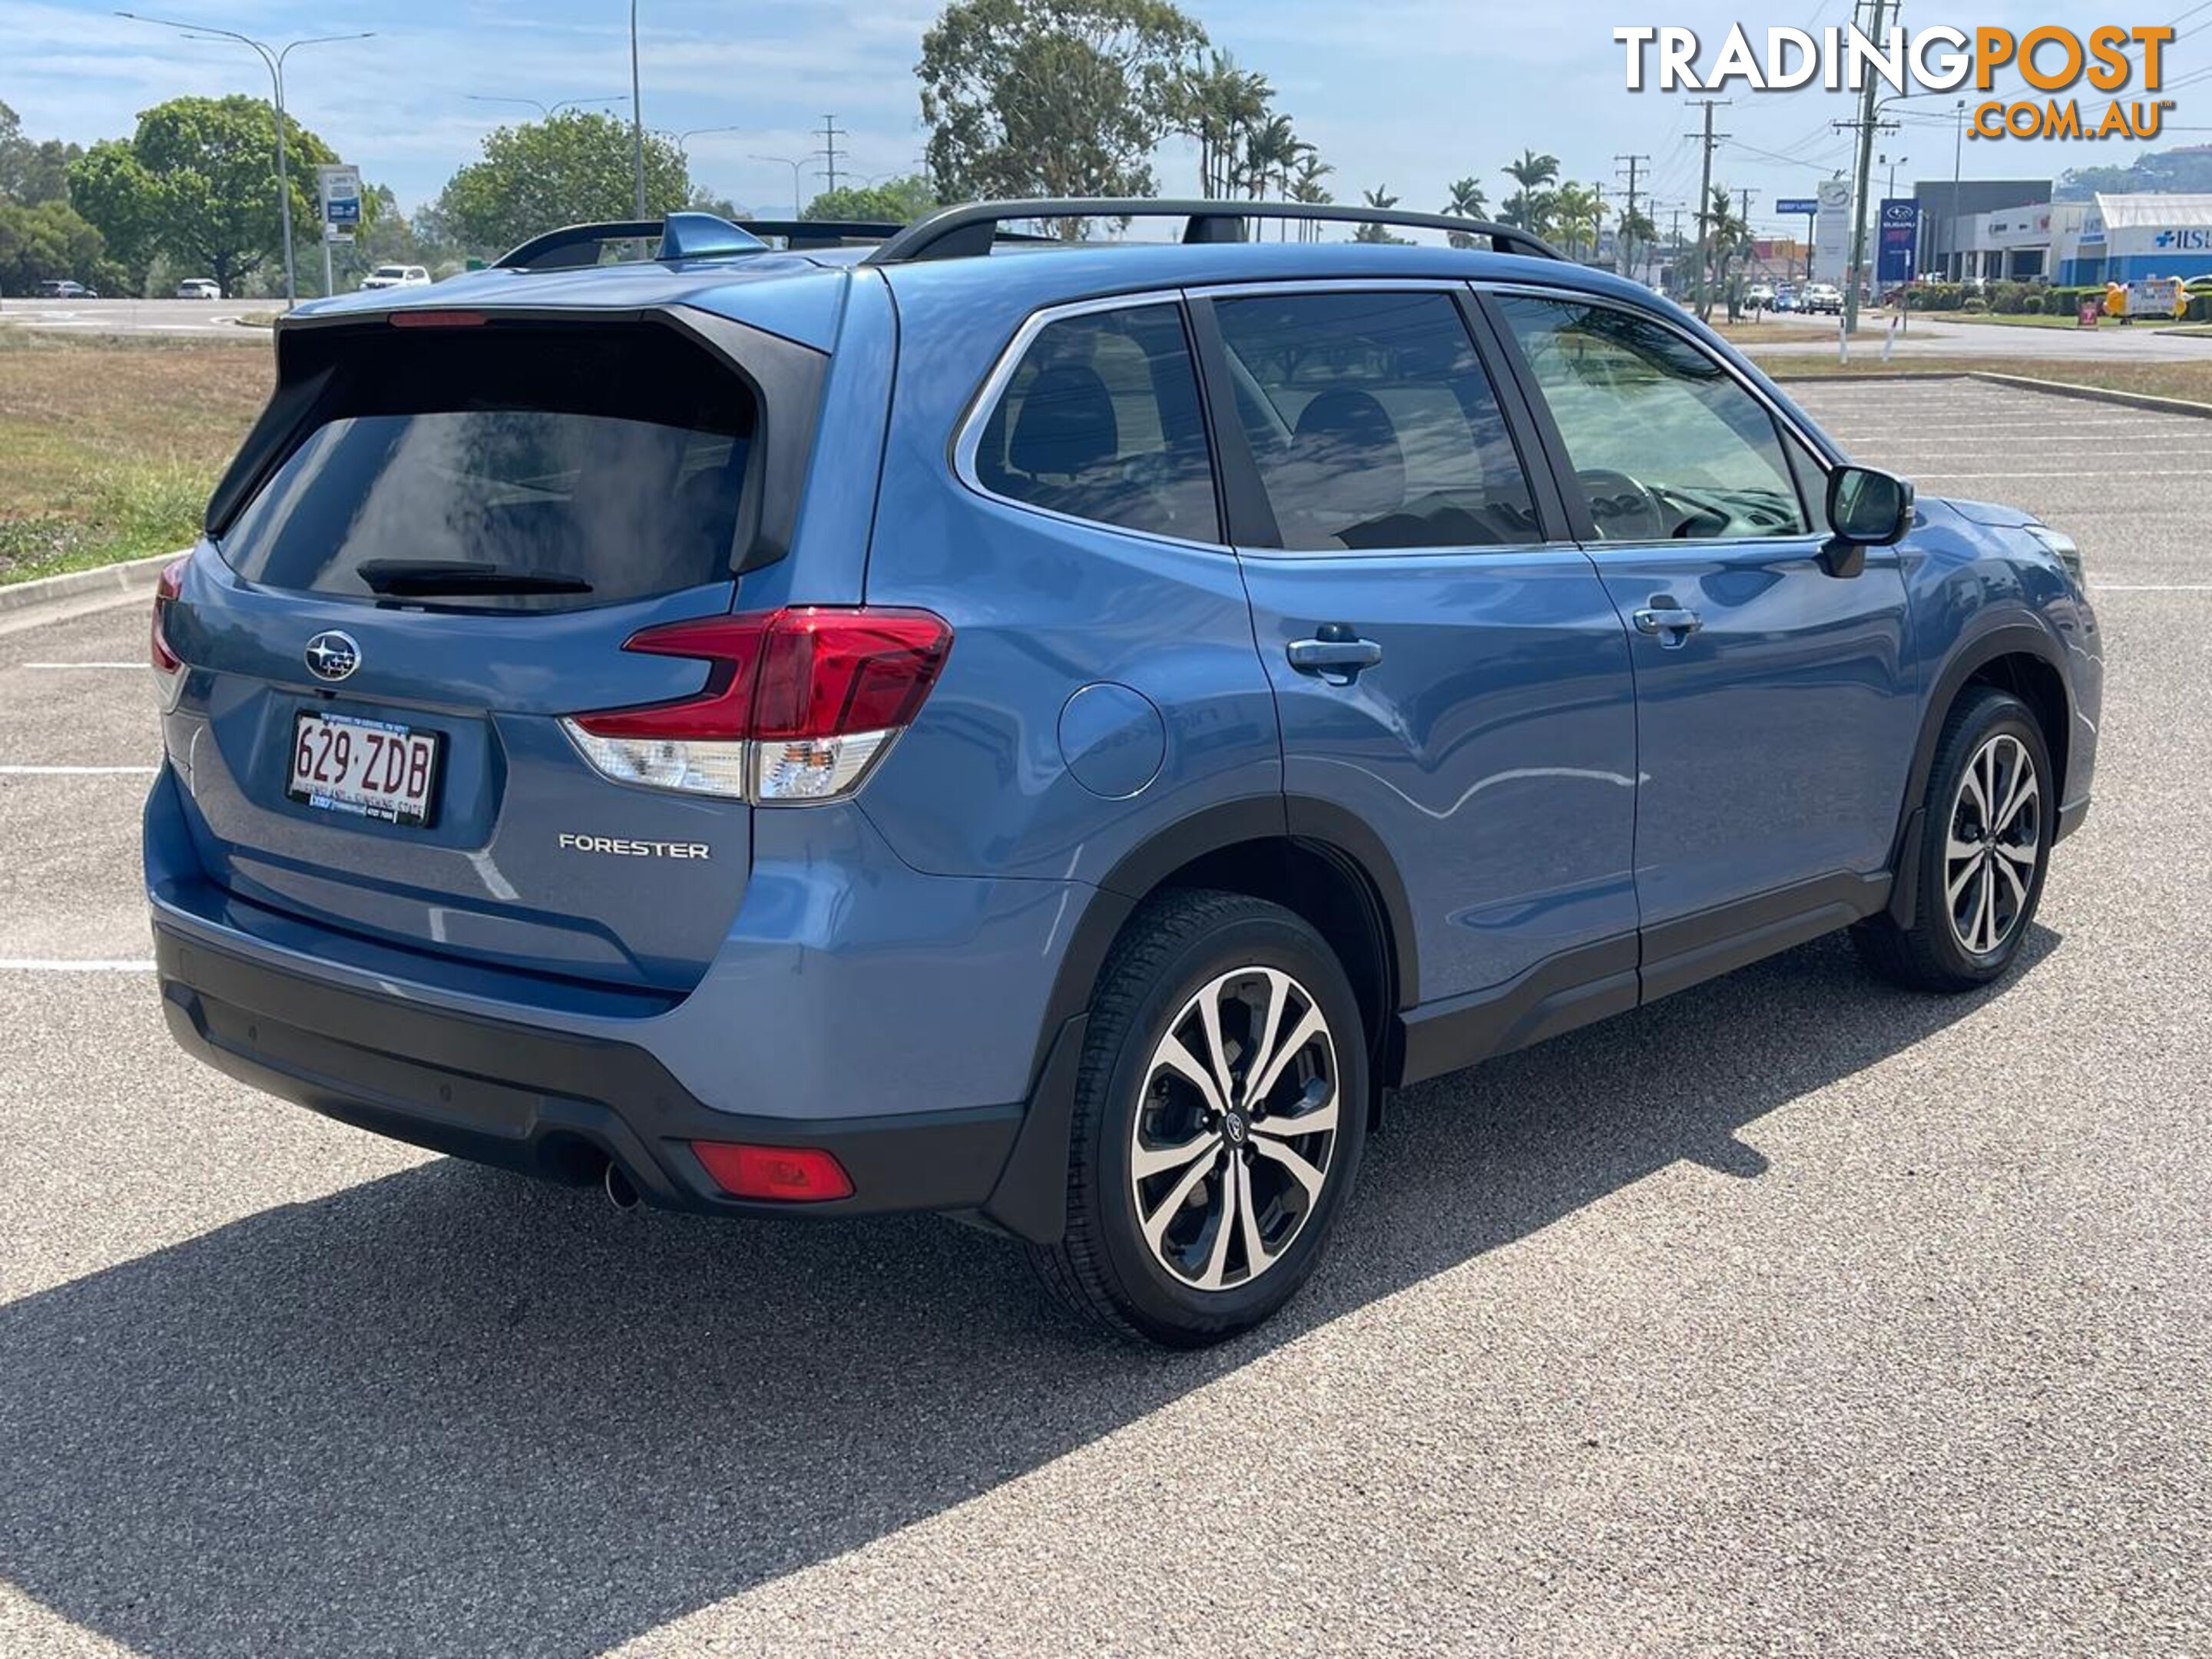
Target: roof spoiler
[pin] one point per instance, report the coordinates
(689, 236)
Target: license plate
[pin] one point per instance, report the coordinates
(371, 768)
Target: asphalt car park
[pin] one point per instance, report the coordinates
(1794, 1313)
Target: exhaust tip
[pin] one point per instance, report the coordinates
(622, 1192)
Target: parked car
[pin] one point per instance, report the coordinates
(199, 288)
(396, 277)
(1823, 298)
(1052, 739)
(62, 289)
(1759, 296)
(1787, 299)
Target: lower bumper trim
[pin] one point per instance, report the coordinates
(541, 1101)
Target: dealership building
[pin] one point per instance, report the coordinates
(1996, 228)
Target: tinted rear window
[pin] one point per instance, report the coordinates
(616, 458)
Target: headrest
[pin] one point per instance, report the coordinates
(1067, 423)
(1351, 464)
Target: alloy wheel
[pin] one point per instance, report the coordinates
(1996, 838)
(1236, 1128)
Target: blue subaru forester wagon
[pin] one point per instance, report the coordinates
(1051, 735)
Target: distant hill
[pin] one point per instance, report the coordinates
(2187, 170)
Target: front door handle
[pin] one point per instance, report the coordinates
(1337, 654)
(1670, 624)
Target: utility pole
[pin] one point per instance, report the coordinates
(1705, 203)
(830, 152)
(1951, 219)
(1675, 254)
(1627, 250)
(1865, 126)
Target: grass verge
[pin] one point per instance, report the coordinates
(2192, 380)
(108, 446)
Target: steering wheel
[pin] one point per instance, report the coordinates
(1624, 509)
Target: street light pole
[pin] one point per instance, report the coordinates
(804, 162)
(546, 112)
(1958, 152)
(273, 57)
(636, 113)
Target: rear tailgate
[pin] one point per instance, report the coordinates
(435, 547)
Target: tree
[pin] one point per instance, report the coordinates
(1381, 200)
(1636, 231)
(575, 168)
(1529, 206)
(1467, 202)
(46, 240)
(198, 182)
(1577, 212)
(31, 172)
(1218, 104)
(895, 201)
(1727, 238)
(1306, 187)
(1051, 97)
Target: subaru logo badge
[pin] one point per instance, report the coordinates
(333, 655)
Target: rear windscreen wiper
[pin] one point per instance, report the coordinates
(419, 576)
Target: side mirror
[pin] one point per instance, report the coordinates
(1866, 508)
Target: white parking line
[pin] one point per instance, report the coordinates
(2090, 472)
(2150, 587)
(78, 771)
(62, 965)
(80, 665)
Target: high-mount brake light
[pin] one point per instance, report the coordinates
(438, 320)
(169, 666)
(797, 705)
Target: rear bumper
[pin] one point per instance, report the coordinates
(548, 1103)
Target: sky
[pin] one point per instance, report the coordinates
(1404, 94)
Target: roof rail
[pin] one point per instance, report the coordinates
(689, 236)
(963, 232)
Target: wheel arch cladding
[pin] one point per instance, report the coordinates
(1311, 858)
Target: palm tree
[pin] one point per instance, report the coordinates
(1382, 201)
(1727, 238)
(1530, 206)
(1577, 212)
(1307, 186)
(1467, 202)
(1270, 147)
(1217, 105)
(1636, 230)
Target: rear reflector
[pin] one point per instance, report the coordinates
(797, 706)
(792, 1175)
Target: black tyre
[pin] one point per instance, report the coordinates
(1985, 842)
(1219, 1115)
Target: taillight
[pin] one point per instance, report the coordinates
(169, 666)
(792, 1175)
(797, 705)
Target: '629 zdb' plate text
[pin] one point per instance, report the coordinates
(371, 768)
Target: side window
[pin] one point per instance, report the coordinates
(1101, 420)
(1372, 423)
(1666, 443)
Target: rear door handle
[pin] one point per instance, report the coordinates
(1337, 654)
(1664, 620)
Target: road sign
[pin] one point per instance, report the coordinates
(1805, 205)
(1832, 241)
(339, 186)
(1901, 240)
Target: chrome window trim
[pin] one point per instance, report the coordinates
(967, 435)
